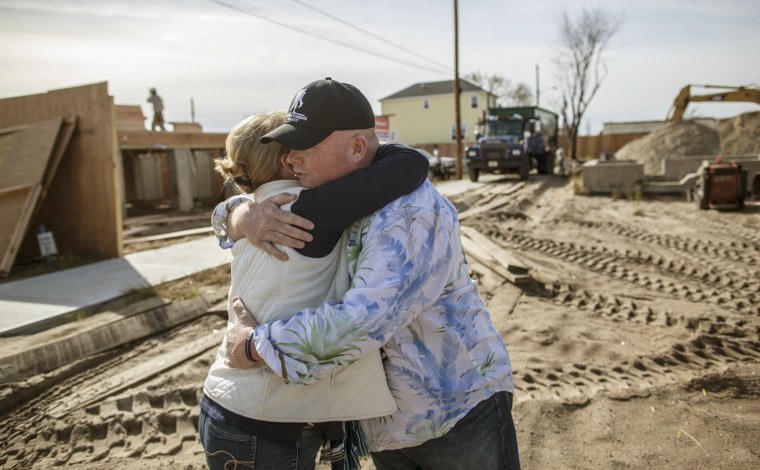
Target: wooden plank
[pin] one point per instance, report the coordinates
(158, 219)
(130, 117)
(493, 256)
(83, 203)
(497, 202)
(166, 178)
(15, 209)
(131, 231)
(24, 154)
(24, 157)
(61, 144)
(183, 179)
(46, 351)
(178, 126)
(143, 140)
(143, 219)
(9, 130)
(135, 375)
(166, 236)
(15, 190)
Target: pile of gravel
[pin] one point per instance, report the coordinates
(740, 135)
(680, 139)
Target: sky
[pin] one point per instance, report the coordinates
(234, 58)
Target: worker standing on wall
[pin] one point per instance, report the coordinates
(158, 110)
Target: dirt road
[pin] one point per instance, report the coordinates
(635, 344)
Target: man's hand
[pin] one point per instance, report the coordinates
(236, 337)
(265, 224)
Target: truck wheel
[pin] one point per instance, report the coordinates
(540, 164)
(524, 171)
(474, 173)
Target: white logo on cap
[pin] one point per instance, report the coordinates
(294, 116)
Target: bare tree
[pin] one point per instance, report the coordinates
(514, 95)
(578, 56)
(520, 95)
(493, 84)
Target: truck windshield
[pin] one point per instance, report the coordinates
(512, 127)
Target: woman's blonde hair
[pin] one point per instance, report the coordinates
(248, 162)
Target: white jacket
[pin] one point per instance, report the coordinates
(274, 290)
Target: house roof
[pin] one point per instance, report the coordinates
(433, 88)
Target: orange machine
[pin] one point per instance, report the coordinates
(721, 185)
(749, 94)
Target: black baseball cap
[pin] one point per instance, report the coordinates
(317, 110)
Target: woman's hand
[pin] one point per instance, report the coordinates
(236, 338)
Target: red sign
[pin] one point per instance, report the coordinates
(382, 127)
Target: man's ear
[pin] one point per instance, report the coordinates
(359, 147)
(287, 166)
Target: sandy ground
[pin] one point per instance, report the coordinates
(635, 346)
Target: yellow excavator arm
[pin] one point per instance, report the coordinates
(734, 93)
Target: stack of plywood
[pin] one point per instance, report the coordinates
(59, 168)
(130, 117)
(186, 126)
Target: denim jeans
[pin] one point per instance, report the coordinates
(484, 439)
(228, 448)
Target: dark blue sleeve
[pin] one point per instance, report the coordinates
(396, 171)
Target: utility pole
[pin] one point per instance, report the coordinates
(538, 90)
(192, 110)
(458, 124)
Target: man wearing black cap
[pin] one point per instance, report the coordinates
(411, 295)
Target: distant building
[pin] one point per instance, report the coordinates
(645, 127)
(424, 113)
(638, 127)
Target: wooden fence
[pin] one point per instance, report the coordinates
(592, 146)
(589, 146)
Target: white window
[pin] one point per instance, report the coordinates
(425, 103)
(474, 101)
(463, 130)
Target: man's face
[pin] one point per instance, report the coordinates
(325, 162)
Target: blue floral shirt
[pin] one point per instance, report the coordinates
(410, 294)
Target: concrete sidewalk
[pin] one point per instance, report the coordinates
(30, 304)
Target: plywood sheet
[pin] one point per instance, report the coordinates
(61, 144)
(83, 202)
(24, 158)
(14, 203)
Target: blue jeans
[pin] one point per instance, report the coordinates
(484, 439)
(228, 448)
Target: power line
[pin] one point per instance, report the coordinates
(329, 39)
(376, 36)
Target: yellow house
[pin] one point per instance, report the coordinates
(423, 114)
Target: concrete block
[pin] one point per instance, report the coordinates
(611, 177)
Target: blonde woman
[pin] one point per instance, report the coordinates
(253, 415)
